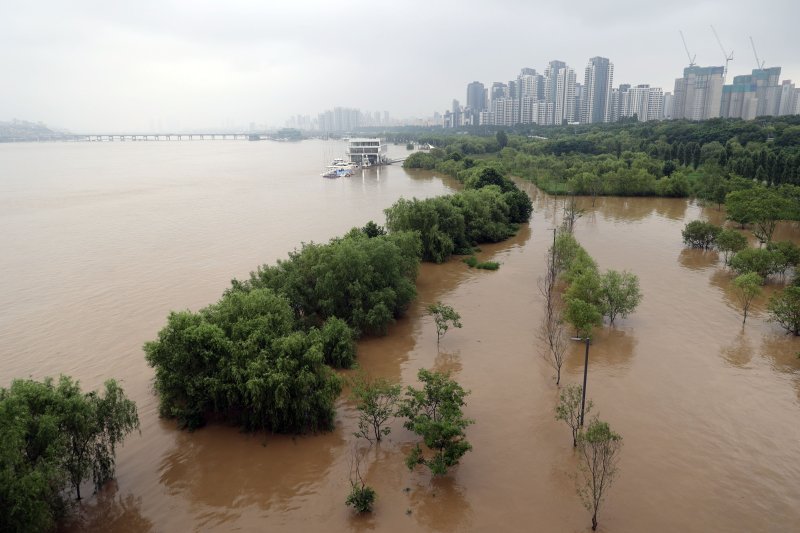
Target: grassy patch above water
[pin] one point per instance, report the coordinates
(473, 262)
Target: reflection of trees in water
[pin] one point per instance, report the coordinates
(111, 512)
(624, 209)
(739, 352)
(610, 347)
(222, 468)
(782, 351)
(440, 505)
(697, 259)
(448, 362)
(723, 280)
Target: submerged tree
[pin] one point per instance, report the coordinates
(747, 287)
(599, 447)
(434, 413)
(362, 496)
(784, 309)
(700, 234)
(53, 437)
(569, 409)
(583, 316)
(377, 402)
(444, 316)
(553, 333)
(619, 294)
(729, 242)
(571, 214)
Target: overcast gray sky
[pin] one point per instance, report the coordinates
(124, 66)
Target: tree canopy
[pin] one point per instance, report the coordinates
(55, 436)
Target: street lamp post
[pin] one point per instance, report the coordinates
(585, 374)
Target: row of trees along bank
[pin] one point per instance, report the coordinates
(671, 158)
(588, 297)
(260, 357)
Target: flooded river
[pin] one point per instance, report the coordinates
(100, 241)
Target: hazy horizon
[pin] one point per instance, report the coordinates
(185, 65)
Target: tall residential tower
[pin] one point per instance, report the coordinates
(598, 81)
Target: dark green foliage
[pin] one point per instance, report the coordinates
(367, 282)
(473, 262)
(434, 413)
(700, 234)
(759, 260)
(760, 206)
(242, 361)
(784, 309)
(338, 343)
(453, 224)
(371, 229)
(502, 139)
(361, 498)
(786, 255)
(584, 316)
(54, 436)
(729, 242)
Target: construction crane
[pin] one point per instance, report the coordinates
(759, 64)
(728, 57)
(690, 56)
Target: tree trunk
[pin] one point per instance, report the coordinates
(78, 490)
(594, 522)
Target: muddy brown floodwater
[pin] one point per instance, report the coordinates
(708, 410)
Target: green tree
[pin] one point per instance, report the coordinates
(569, 409)
(700, 234)
(552, 332)
(338, 343)
(444, 316)
(54, 436)
(747, 287)
(758, 260)
(362, 496)
(502, 139)
(376, 401)
(784, 308)
(599, 447)
(619, 294)
(583, 316)
(786, 254)
(729, 242)
(371, 229)
(434, 413)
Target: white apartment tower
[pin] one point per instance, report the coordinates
(598, 81)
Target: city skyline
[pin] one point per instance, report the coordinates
(186, 65)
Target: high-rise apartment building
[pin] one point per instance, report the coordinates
(753, 95)
(788, 95)
(698, 94)
(598, 81)
(476, 100)
(559, 89)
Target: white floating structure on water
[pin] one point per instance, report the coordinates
(367, 152)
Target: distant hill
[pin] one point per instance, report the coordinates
(22, 130)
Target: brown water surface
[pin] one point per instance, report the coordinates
(100, 241)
